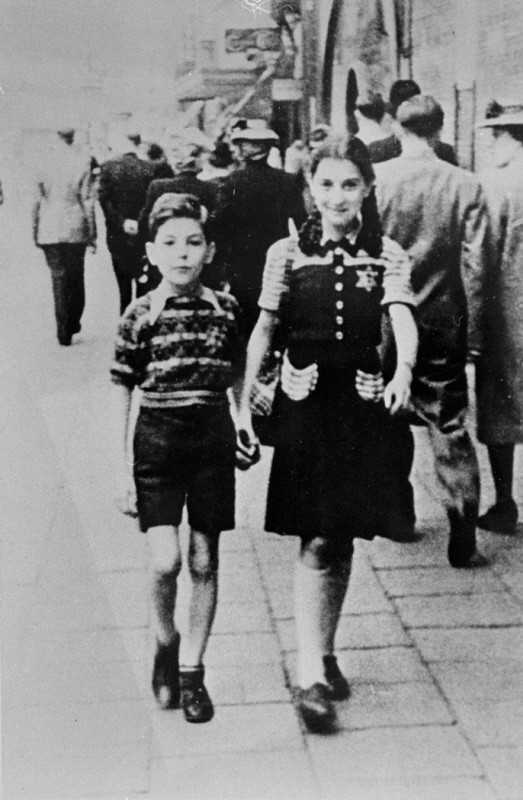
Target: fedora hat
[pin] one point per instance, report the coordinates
(503, 116)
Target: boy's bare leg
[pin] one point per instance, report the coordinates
(203, 570)
(165, 566)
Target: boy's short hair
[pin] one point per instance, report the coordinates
(178, 206)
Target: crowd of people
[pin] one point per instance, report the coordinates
(377, 270)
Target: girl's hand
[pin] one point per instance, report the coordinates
(369, 387)
(397, 393)
(126, 496)
(298, 383)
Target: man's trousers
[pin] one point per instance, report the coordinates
(66, 263)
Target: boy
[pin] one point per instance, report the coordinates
(182, 345)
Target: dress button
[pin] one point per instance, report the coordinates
(339, 335)
(338, 286)
(339, 320)
(339, 270)
(339, 304)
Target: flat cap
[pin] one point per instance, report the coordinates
(421, 114)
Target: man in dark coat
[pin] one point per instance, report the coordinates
(256, 204)
(184, 181)
(438, 214)
(123, 186)
(390, 147)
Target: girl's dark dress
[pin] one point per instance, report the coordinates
(329, 471)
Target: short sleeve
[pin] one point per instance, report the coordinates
(130, 355)
(275, 283)
(396, 279)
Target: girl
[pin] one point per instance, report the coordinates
(181, 345)
(328, 476)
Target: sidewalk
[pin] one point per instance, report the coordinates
(434, 655)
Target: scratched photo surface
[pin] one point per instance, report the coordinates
(98, 99)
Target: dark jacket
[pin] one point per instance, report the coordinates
(257, 202)
(385, 149)
(438, 214)
(123, 187)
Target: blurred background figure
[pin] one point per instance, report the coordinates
(218, 164)
(64, 226)
(124, 181)
(370, 115)
(383, 149)
(499, 370)
(256, 203)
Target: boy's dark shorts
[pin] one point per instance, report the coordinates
(185, 455)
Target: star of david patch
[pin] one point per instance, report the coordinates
(367, 279)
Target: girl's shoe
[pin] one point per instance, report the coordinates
(165, 681)
(337, 683)
(195, 701)
(316, 709)
(500, 518)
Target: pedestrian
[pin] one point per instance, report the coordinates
(182, 345)
(438, 213)
(64, 226)
(328, 479)
(383, 149)
(124, 181)
(255, 205)
(499, 369)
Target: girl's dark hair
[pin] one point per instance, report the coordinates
(349, 148)
(178, 206)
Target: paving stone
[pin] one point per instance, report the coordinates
(437, 581)
(454, 611)
(480, 681)
(395, 704)
(242, 586)
(355, 631)
(127, 594)
(62, 683)
(255, 728)
(514, 580)
(390, 754)
(504, 769)
(237, 540)
(15, 608)
(430, 551)
(242, 618)
(381, 665)
(246, 648)
(68, 730)
(237, 776)
(246, 684)
(470, 644)
(419, 789)
(118, 770)
(365, 595)
(491, 723)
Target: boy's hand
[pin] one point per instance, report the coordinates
(370, 387)
(397, 393)
(126, 496)
(247, 449)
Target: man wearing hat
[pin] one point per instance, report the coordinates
(438, 214)
(123, 186)
(383, 149)
(499, 369)
(258, 201)
(64, 226)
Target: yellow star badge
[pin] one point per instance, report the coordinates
(367, 279)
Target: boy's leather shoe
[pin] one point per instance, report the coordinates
(316, 709)
(337, 683)
(165, 681)
(195, 701)
(500, 518)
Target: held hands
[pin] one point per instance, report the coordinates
(298, 383)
